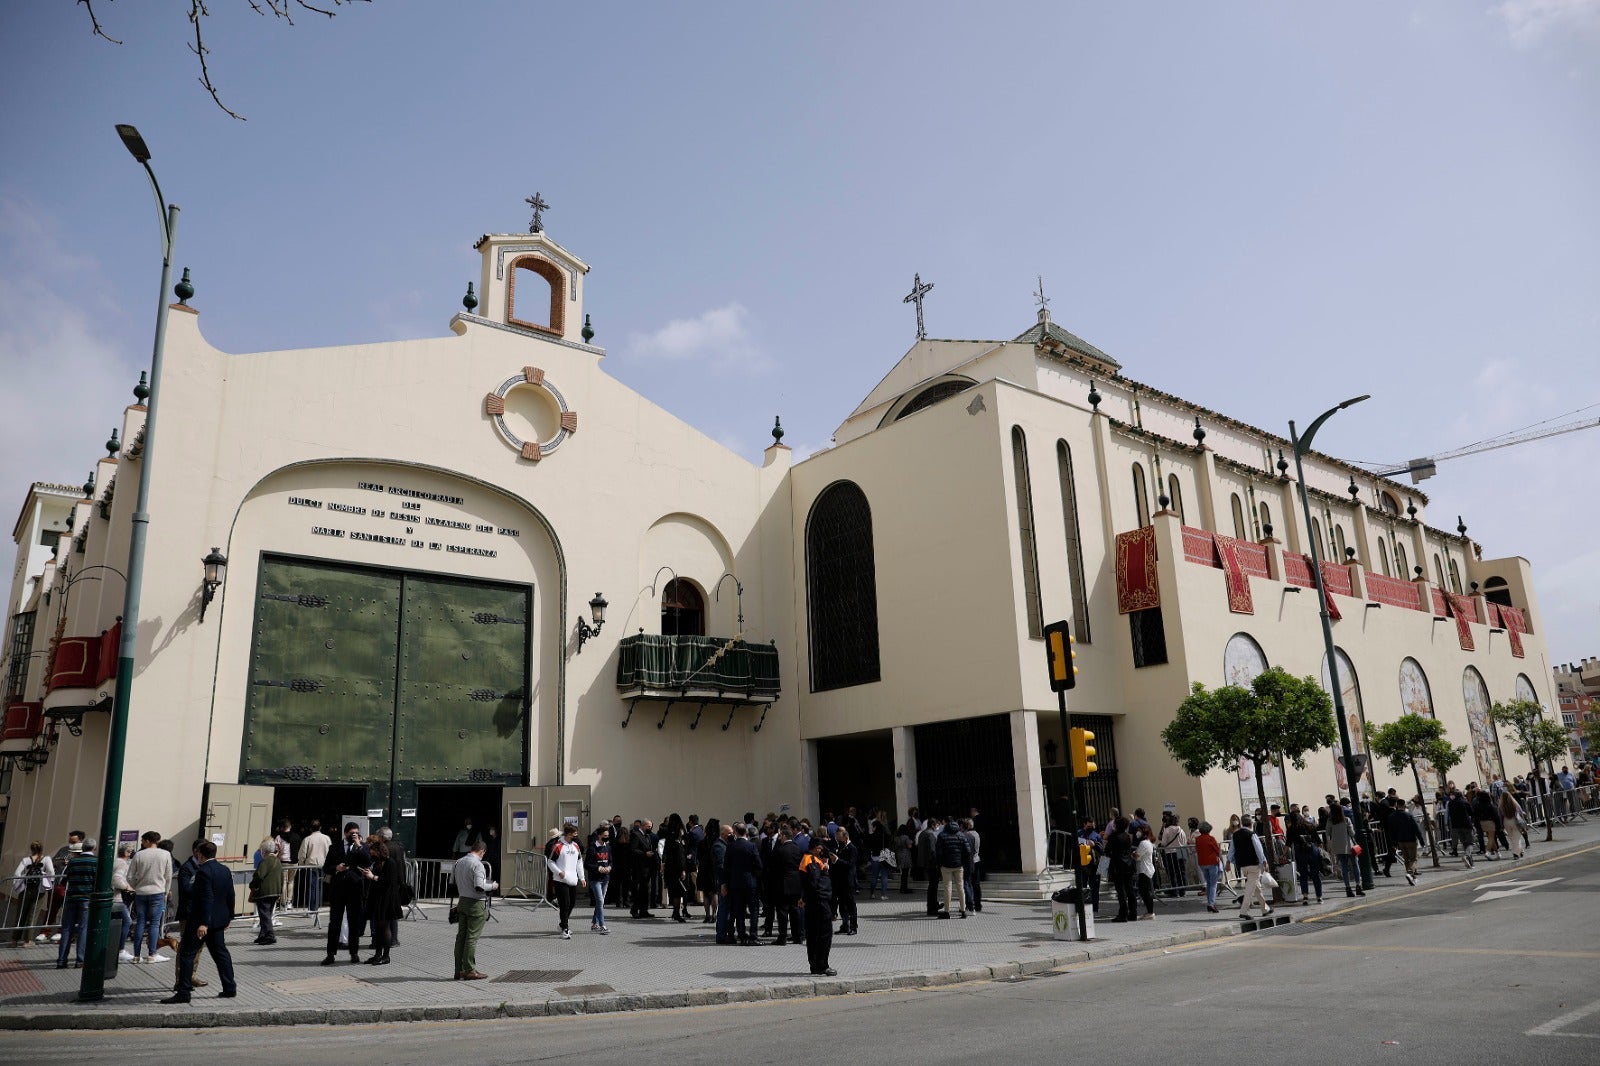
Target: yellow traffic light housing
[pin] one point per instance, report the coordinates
(1058, 646)
(1086, 855)
(1082, 751)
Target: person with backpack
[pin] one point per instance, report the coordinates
(1120, 863)
(34, 877)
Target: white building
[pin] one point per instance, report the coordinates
(415, 529)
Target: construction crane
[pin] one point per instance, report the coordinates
(1424, 468)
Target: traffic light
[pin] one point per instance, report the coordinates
(1058, 646)
(1080, 741)
(1086, 855)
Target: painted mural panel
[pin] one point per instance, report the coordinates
(1242, 661)
(1417, 698)
(1485, 742)
(1355, 720)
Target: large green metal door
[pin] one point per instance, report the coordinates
(322, 678)
(463, 682)
(386, 679)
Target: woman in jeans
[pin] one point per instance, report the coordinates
(566, 875)
(597, 865)
(1342, 845)
(1144, 864)
(1302, 837)
(1208, 854)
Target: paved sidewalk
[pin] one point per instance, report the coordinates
(641, 965)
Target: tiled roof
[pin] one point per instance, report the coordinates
(1050, 330)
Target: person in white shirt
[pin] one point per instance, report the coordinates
(313, 853)
(566, 874)
(150, 875)
(35, 876)
(1248, 854)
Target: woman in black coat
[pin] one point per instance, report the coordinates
(674, 865)
(383, 897)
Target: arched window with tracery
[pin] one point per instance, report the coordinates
(841, 589)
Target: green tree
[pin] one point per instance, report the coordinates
(1534, 736)
(1278, 715)
(1591, 733)
(1408, 741)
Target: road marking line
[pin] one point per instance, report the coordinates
(1511, 888)
(1440, 888)
(1295, 945)
(1549, 1028)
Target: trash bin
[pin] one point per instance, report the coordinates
(1064, 915)
(116, 933)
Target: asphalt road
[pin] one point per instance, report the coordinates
(1499, 969)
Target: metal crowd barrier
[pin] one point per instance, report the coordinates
(529, 877)
(28, 907)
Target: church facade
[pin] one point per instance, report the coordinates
(476, 576)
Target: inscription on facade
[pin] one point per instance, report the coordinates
(411, 512)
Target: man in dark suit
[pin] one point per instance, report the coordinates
(771, 876)
(210, 911)
(743, 865)
(346, 867)
(786, 856)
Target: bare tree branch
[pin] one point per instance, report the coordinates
(197, 9)
(98, 32)
(283, 9)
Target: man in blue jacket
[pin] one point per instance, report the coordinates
(210, 911)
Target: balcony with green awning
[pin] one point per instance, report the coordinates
(698, 669)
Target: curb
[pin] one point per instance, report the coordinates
(564, 1006)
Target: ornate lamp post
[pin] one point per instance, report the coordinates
(1302, 444)
(92, 985)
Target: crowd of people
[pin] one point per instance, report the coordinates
(1142, 861)
(779, 880)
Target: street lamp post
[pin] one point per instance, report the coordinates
(92, 985)
(1302, 444)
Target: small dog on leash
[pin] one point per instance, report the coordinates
(167, 942)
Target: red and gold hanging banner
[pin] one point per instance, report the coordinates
(1138, 588)
(1516, 624)
(1465, 613)
(1239, 601)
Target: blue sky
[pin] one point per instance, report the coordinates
(1261, 207)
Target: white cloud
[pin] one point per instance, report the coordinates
(721, 336)
(1530, 21)
(66, 382)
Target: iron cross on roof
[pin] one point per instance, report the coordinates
(918, 291)
(539, 208)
